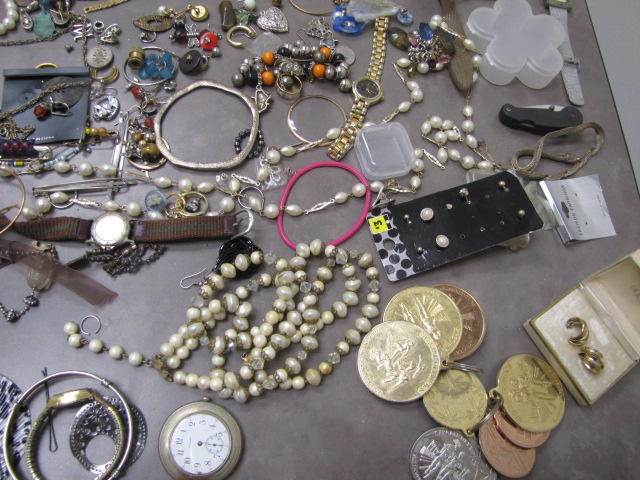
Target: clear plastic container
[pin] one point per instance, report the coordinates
(384, 151)
(516, 43)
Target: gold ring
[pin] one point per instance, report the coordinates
(108, 78)
(292, 126)
(46, 65)
(182, 211)
(578, 340)
(591, 359)
(289, 94)
(248, 31)
(23, 193)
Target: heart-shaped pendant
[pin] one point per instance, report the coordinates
(273, 19)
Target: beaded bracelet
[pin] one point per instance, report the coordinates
(301, 172)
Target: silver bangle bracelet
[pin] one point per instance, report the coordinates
(116, 469)
(163, 145)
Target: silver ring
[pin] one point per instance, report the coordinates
(95, 317)
(241, 195)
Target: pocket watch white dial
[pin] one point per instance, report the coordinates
(201, 441)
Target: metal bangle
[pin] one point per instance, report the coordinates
(163, 145)
(110, 77)
(308, 12)
(292, 126)
(115, 469)
(23, 198)
(92, 396)
(155, 82)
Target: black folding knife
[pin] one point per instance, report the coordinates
(540, 118)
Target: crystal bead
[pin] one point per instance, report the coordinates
(197, 301)
(331, 262)
(31, 300)
(302, 355)
(334, 358)
(305, 287)
(374, 286)
(425, 31)
(354, 254)
(313, 329)
(342, 257)
(270, 383)
(257, 363)
(270, 258)
(405, 17)
(253, 286)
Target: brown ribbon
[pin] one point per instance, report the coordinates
(85, 287)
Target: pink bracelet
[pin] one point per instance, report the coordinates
(294, 179)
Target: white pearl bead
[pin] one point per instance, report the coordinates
(436, 121)
(404, 106)
(115, 352)
(440, 138)
(316, 247)
(227, 270)
(369, 310)
(342, 348)
(231, 302)
(110, 206)
(312, 315)
(162, 10)
(263, 174)
(471, 141)
(227, 204)
(70, 328)
(303, 250)
(423, 67)
(256, 257)
(372, 273)
(250, 4)
(174, 362)
(447, 124)
(192, 380)
(358, 190)
(58, 197)
(425, 128)
(85, 169)
(135, 359)
(241, 395)
(365, 261)
(412, 85)
(350, 298)
(134, 209)
(234, 185)
(439, 67)
(477, 60)
(442, 241)
(442, 155)
(297, 382)
(203, 382)
(271, 210)
(454, 154)
(417, 165)
(475, 77)
(288, 151)
(309, 342)
(167, 349)
(176, 340)
(75, 340)
(162, 182)
(468, 126)
(452, 135)
(403, 62)
(467, 111)
(363, 324)
(468, 44)
(376, 186)
(339, 309)
(415, 182)
(183, 352)
(255, 390)
(241, 262)
(43, 204)
(293, 210)
(185, 185)
(467, 162)
(225, 393)
(108, 170)
(353, 284)
(216, 384)
(435, 22)
(341, 197)
(353, 337)
(426, 214)
(179, 377)
(95, 345)
(259, 340)
(313, 377)
(273, 156)
(332, 133)
(153, 215)
(485, 166)
(205, 187)
(62, 166)
(416, 96)
(231, 380)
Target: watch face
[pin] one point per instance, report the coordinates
(367, 88)
(110, 229)
(200, 444)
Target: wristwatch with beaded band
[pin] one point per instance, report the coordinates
(366, 91)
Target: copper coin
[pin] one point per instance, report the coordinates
(473, 324)
(516, 435)
(508, 459)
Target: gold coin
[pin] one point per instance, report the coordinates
(473, 324)
(456, 400)
(430, 309)
(398, 361)
(199, 13)
(532, 394)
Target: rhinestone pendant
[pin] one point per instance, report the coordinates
(273, 19)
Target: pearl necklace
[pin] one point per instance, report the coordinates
(12, 15)
(288, 322)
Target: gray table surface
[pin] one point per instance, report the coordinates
(339, 430)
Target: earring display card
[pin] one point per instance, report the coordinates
(21, 85)
(426, 233)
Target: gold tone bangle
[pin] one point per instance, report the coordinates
(46, 65)
(317, 14)
(23, 198)
(291, 124)
(110, 77)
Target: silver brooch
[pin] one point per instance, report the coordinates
(273, 19)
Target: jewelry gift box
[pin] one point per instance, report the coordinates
(609, 303)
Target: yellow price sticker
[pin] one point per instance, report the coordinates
(378, 224)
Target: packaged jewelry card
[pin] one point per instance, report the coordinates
(591, 335)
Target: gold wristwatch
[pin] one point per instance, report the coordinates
(366, 91)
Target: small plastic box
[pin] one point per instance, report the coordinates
(384, 151)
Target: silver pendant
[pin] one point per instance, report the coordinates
(273, 19)
(105, 108)
(262, 99)
(93, 420)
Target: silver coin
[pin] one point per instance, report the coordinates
(442, 453)
(69, 96)
(93, 420)
(349, 54)
(99, 57)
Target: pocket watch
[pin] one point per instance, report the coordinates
(200, 440)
